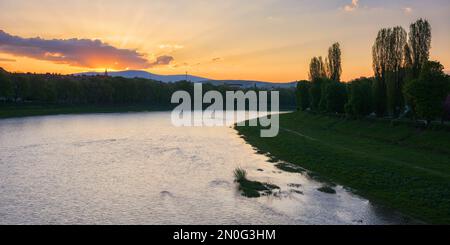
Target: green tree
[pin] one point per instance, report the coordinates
(68, 91)
(388, 60)
(446, 115)
(407, 67)
(420, 44)
(315, 92)
(303, 96)
(50, 93)
(82, 90)
(379, 97)
(388, 63)
(287, 97)
(360, 101)
(6, 86)
(22, 88)
(429, 91)
(334, 97)
(317, 69)
(380, 66)
(334, 63)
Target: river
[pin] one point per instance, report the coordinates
(136, 168)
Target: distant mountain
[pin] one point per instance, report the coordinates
(195, 79)
(146, 75)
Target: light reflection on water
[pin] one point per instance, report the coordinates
(136, 168)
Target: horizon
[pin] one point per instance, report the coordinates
(276, 39)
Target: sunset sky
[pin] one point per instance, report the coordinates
(270, 40)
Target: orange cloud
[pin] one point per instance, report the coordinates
(78, 52)
(407, 10)
(353, 6)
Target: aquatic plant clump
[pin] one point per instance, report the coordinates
(287, 167)
(327, 189)
(240, 174)
(252, 189)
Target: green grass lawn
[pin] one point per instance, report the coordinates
(10, 111)
(401, 167)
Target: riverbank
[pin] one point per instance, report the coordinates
(11, 111)
(399, 166)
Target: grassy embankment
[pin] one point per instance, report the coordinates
(10, 111)
(401, 167)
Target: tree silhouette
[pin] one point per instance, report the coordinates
(316, 92)
(6, 86)
(388, 60)
(420, 44)
(446, 115)
(334, 97)
(334, 63)
(317, 69)
(380, 66)
(360, 101)
(303, 97)
(407, 57)
(101, 90)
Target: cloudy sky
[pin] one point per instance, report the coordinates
(270, 40)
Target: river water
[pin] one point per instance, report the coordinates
(136, 168)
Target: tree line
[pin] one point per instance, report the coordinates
(405, 81)
(28, 88)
